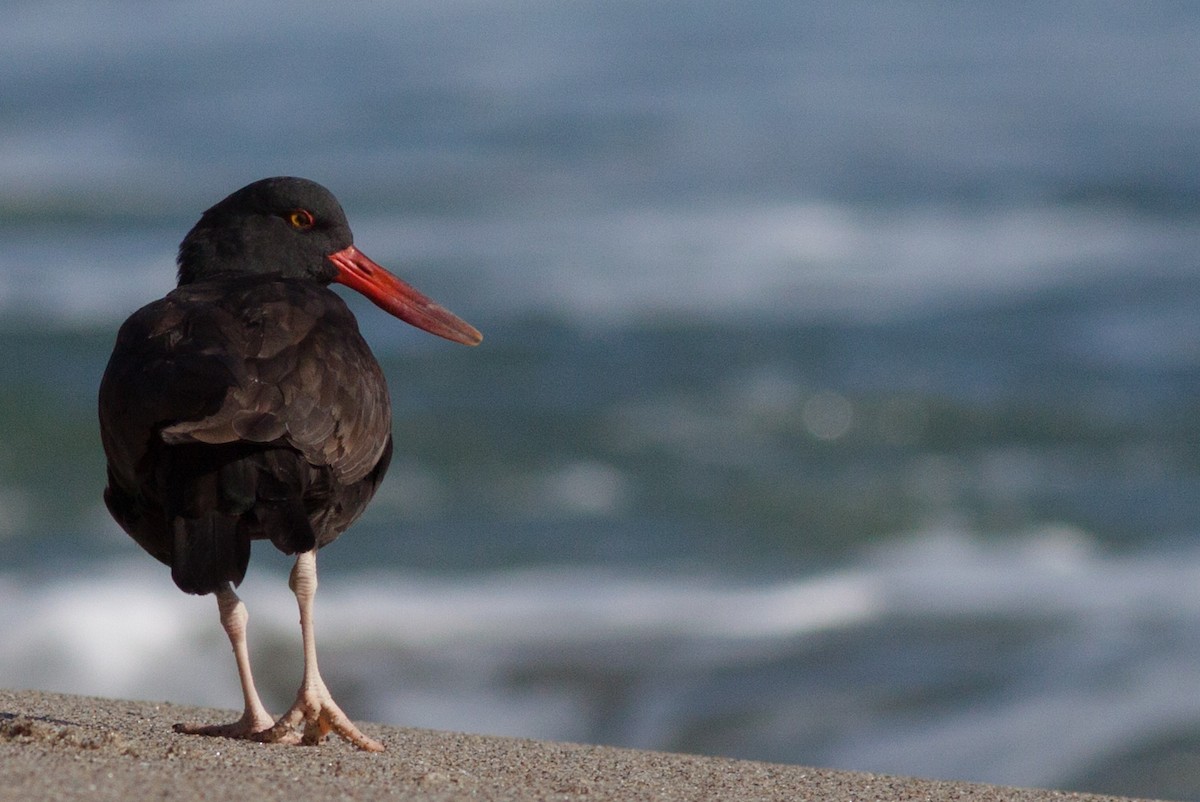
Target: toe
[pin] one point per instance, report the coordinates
(236, 729)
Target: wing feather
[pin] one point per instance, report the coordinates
(246, 407)
(296, 371)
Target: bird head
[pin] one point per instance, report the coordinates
(295, 228)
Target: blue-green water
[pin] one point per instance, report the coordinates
(837, 404)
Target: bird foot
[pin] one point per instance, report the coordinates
(313, 716)
(248, 726)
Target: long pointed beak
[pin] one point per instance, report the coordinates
(398, 298)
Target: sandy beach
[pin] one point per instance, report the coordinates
(60, 747)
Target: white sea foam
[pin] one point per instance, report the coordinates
(794, 262)
(1102, 647)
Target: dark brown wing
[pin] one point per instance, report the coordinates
(237, 409)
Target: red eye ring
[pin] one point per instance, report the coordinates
(301, 219)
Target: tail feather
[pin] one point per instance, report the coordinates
(209, 551)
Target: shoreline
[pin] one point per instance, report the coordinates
(63, 747)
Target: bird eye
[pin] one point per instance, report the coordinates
(301, 219)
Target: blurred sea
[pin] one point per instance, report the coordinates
(838, 404)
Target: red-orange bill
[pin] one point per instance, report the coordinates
(398, 298)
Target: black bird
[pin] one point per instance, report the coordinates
(245, 405)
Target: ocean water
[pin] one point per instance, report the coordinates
(838, 398)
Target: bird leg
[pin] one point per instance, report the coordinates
(314, 708)
(255, 717)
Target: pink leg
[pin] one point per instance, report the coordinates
(314, 707)
(255, 717)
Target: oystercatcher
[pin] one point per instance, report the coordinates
(245, 405)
